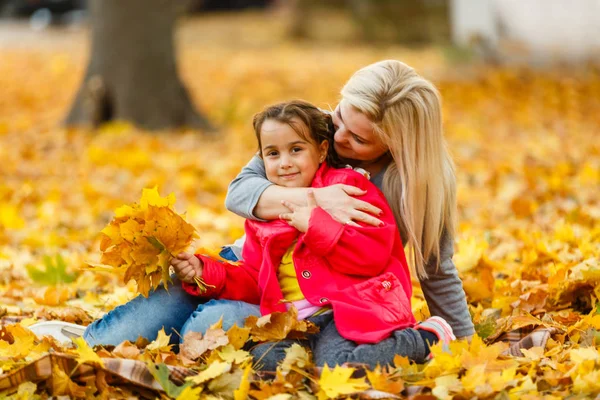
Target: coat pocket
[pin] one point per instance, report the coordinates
(387, 297)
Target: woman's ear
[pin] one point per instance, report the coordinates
(323, 148)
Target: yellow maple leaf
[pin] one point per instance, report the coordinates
(383, 381)
(295, 355)
(238, 336)
(9, 217)
(338, 381)
(131, 230)
(214, 369)
(241, 393)
(445, 362)
(233, 356)
(481, 354)
(446, 384)
(161, 343)
(151, 197)
(190, 393)
(470, 251)
(22, 342)
(142, 239)
(53, 295)
(475, 381)
(62, 385)
(85, 354)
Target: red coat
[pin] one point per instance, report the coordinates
(360, 271)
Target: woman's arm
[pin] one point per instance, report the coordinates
(444, 292)
(245, 190)
(252, 196)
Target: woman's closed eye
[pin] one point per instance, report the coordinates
(357, 139)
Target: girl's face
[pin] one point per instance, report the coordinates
(290, 160)
(354, 137)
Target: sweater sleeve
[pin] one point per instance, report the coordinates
(444, 292)
(363, 250)
(245, 190)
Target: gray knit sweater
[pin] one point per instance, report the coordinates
(442, 289)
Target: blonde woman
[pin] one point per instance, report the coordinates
(388, 123)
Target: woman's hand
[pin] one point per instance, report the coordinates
(300, 215)
(187, 267)
(337, 200)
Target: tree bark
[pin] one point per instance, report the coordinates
(132, 73)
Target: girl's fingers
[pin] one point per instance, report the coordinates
(289, 205)
(190, 275)
(183, 268)
(352, 223)
(311, 201)
(286, 216)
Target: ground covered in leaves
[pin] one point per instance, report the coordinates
(527, 150)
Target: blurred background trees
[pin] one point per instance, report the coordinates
(415, 22)
(133, 73)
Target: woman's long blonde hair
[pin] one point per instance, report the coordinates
(419, 183)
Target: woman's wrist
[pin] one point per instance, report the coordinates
(269, 205)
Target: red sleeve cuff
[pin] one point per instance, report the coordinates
(323, 232)
(213, 273)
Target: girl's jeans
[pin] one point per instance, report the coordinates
(175, 310)
(329, 347)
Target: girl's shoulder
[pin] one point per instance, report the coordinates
(349, 176)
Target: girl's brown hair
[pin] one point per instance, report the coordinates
(318, 125)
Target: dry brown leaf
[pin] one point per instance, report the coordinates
(195, 344)
(278, 326)
(127, 349)
(75, 315)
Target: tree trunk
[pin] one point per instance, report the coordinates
(132, 73)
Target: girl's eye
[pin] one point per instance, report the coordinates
(296, 149)
(271, 154)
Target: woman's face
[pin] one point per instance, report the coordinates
(354, 137)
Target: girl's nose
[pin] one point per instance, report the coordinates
(285, 161)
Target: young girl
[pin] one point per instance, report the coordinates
(351, 280)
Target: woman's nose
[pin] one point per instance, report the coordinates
(341, 135)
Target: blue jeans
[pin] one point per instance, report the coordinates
(174, 310)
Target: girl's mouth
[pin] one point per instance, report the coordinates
(289, 176)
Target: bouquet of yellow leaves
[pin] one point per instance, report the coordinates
(142, 238)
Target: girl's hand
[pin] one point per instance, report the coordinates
(337, 200)
(300, 215)
(187, 267)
